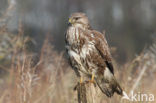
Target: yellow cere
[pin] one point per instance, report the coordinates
(69, 20)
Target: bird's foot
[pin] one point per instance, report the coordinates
(92, 80)
(79, 83)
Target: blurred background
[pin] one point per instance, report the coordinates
(33, 63)
(129, 25)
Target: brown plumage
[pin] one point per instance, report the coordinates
(89, 54)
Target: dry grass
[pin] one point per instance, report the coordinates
(49, 79)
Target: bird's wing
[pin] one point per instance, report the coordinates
(103, 48)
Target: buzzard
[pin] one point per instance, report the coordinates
(89, 54)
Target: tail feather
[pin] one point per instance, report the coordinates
(118, 89)
(109, 87)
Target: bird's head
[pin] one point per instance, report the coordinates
(78, 19)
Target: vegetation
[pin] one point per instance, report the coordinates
(47, 77)
(43, 75)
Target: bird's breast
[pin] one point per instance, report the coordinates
(87, 48)
(72, 36)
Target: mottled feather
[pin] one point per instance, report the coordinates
(89, 54)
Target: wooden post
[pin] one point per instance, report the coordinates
(88, 93)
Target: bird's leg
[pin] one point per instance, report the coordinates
(92, 79)
(79, 83)
(81, 80)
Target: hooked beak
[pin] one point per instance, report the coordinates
(70, 21)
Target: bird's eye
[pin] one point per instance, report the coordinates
(76, 18)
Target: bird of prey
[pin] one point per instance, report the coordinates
(89, 54)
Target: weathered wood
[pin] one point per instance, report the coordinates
(81, 93)
(88, 93)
